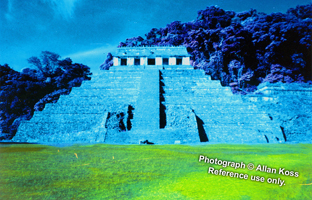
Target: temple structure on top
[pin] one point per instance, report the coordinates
(151, 57)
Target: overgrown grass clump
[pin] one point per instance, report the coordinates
(104, 171)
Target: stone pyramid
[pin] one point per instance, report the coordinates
(150, 96)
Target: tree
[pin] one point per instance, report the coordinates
(108, 62)
(47, 63)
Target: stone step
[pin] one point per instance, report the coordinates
(67, 118)
(217, 107)
(109, 82)
(216, 110)
(196, 76)
(178, 67)
(231, 132)
(220, 118)
(197, 90)
(180, 87)
(234, 134)
(185, 82)
(88, 108)
(199, 83)
(104, 91)
(183, 76)
(218, 104)
(101, 90)
(91, 102)
(224, 90)
(179, 72)
(111, 72)
(94, 100)
(220, 108)
(264, 126)
(196, 93)
(190, 101)
(200, 79)
(45, 128)
(197, 97)
(188, 81)
(74, 109)
(117, 77)
(178, 77)
(190, 95)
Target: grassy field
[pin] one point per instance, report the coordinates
(102, 171)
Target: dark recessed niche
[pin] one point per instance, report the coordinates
(137, 61)
(151, 61)
(123, 61)
(179, 61)
(165, 61)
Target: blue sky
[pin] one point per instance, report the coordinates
(87, 30)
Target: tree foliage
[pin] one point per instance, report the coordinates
(243, 49)
(21, 93)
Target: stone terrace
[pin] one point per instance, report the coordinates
(152, 101)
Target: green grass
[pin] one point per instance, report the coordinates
(149, 172)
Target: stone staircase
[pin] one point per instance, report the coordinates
(146, 113)
(221, 116)
(176, 104)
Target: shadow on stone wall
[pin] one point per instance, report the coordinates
(201, 131)
(288, 105)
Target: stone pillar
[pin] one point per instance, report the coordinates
(159, 61)
(116, 61)
(130, 61)
(143, 60)
(186, 61)
(172, 61)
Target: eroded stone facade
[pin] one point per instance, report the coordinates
(151, 94)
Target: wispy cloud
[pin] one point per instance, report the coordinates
(9, 15)
(63, 8)
(101, 51)
(93, 57)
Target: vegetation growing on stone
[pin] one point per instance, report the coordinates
(21, 93)
(241, 49)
